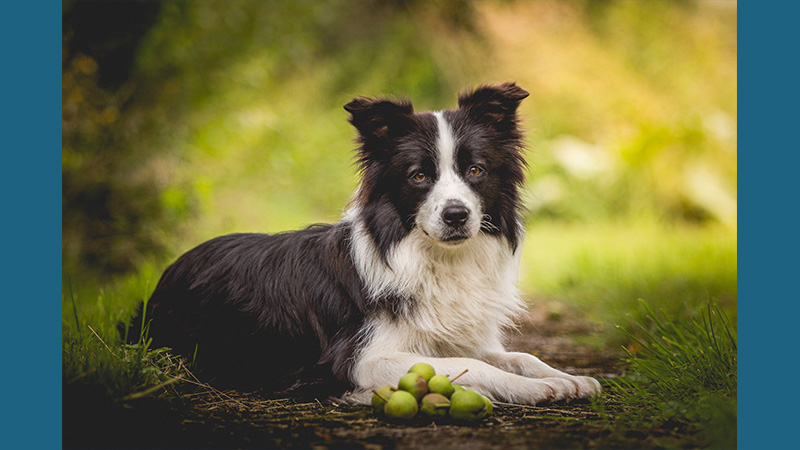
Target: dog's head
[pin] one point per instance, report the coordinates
(451, 174)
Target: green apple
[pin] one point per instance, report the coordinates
(424, 370)
(440, 384)
(401, 405)
(380, 397)
(435, 405)
(414, 384)
(467, 406)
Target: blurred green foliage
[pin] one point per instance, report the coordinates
(230, 117)
(604, 269)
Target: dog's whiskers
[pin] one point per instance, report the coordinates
(486, 222)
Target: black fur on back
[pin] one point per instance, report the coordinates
(281, 312)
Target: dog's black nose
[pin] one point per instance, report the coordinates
(455, 215)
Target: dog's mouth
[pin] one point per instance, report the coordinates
(456, 238)
(450, 238)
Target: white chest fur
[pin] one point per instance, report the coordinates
(457, 300)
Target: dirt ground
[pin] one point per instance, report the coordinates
(207, 418)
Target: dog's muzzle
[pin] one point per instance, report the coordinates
(455, 217)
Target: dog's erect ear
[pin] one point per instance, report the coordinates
(380, 119)
(495, 105)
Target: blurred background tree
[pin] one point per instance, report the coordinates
(111, 207)
(184, 120)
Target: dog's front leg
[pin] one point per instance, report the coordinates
(372, 373)
(530, 366)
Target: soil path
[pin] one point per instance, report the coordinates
(214, 419)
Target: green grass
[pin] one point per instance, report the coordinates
(117, 371)
(681, 361)
(95, 355)
(601, 270)
(682, 373)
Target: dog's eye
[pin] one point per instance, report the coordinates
(419, 177)
(475, 171)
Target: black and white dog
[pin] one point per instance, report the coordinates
(422, 267)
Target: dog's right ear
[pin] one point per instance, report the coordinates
(380, 119)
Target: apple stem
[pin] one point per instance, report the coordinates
(462, 373)
(379, 395)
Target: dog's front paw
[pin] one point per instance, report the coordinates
(588, 387)
(549, 390)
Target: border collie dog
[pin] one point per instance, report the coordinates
(421, 268)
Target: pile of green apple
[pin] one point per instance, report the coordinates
(421, 392)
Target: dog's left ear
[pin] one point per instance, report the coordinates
(495, 105)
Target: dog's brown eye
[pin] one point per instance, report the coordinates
(475, 171)
(420, 177)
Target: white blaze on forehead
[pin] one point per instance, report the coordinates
(445, 145)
